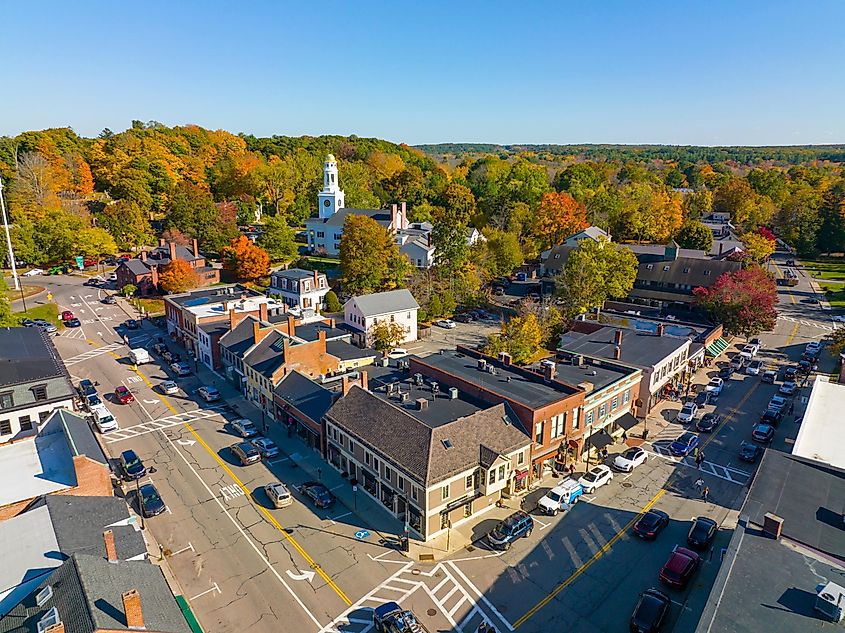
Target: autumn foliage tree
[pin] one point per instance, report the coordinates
(245, 259)
(521, 337)
(177, 276)
(743, 301)
(559, 216)
(369, 257)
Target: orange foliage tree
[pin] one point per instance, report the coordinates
(245, 259)
(177, 276)
(559, 216)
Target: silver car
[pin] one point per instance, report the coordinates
(278, 494)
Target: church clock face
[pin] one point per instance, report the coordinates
(327, 203)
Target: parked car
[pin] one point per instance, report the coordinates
(595, 478)
(763, 433)
(651, 524)
(788, 388)
(159, 348)
(680, 567)
(687, 413)
(650, 612)
(112, 277)
(45, 326)
(103, 418)
(790, 373)
(266, 447)
(445, 323)
(701, 532)
(737, 362)
(109, 300)
(320, 496)
(726, 371)
(278, 494)
(181, 368)
(772, 417)
(92, 400)
(684, 444)
(131, 324)
(67, 315)
(630, 459)
(813, 347)
(715, 386)
(74, 322)
(123, 395)
(702, 398)
(150, 501)
(754, 368)
(805, 367)
(28, 323)
(245, 453)
(749, 452)
(132, 466)
(769, 376)
(777, 402)
(391, 618)
(243, 427)
(209, 394)
(708, 422)
(168, 387)
(512, 528)
(33, 272)
(86, 388)
(750, 348)
(561, 497)
(462, 318)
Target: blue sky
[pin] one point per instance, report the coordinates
(707, 73)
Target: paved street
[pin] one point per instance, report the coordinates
(245, 566)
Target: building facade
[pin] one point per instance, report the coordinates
(300, 289)
(143, 271)
(363, 312)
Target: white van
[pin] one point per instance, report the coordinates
(139, 356)
(103, 418)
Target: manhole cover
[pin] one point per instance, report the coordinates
(470, 548)
(431, 612)
(627, 484)
(415, 572)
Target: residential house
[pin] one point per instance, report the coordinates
(64, 458)
(96, 594)
(553, 260)
(416, 244)
(57, 527)
(363, 312)
(300, 289)
(143, 271)
(548, 410)
(431, 457)
(33, 382)
(663, 359)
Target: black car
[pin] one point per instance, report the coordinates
(790, 373)
(650, 612)
(726, 372)
(150, 501)
(318, 493)
(28, 323)
(74, 322)
(514, 527)
(702, 398)
(650, 524)
(771, 417)
(167, 355)
(462, 318)
(749, 452)
(131, 324)
(805, 367)
(764, 433)
(708, 422)
(701, 532)
(159, 348)
(132, 466)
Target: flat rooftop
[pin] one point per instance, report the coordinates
(220, 306)
(27, 354)
(599, 375)
(513, 384)
(638, 348)
(37, 467)
(822, 434)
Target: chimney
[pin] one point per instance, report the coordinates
(58, 627)
(617, 353)
(428, 238)
(111, 549)
(262, 311)
(404, 215)
(196, 248)
(172, 246)
(587, 386)
(344, 385)
(316, 279)
(394, 217)
(256, 330)
(365, 381)
(161, 241)
(291, 325)
(143, 256)
(772, 525)
(505, 359)
(422, 404)
(154, 274)
(660, 329)
(549, 372)
(132, 609)
(331, 323)
(617, 337)
(721, 248)
(232, 321)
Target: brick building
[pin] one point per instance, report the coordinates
(143, 271)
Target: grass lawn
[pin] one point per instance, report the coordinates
(153, 307)
(28, 291)
(825, 269)
(48, 312)
(834, 294)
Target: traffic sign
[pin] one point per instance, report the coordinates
(361, 534)
(80, 262)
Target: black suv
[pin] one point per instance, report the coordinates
(701, 532)
(516, 526)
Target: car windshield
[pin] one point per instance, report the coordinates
(649, 520)
(105, 419)
(554, 496)
(150, 496)
(590, 476)
(688, 408)
(132, 461)
(631, 454)
(686, 438)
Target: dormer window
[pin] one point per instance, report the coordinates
(50, 618)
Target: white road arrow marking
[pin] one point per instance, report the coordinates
(153, 402)
(305, 575)
(186, 442)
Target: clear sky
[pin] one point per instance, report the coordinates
(722, 72)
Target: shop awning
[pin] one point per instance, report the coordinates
(521, 474)
(716, 347)
(599, 440)
(627, 422)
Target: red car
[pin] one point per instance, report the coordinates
(680, 567)
(67, 315)
(88, 263)
(124, 395)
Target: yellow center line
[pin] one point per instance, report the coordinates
(270, 518)
(606, 548)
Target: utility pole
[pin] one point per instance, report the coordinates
(9, 239)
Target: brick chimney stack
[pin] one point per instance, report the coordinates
(172, 247)
(196, 248)
(143, 256)
(58, 627)
(232, 321)
(111, 548)
(617, 353)
(262, 311)
(549, 372)
(161, 241)
(617, 337)
(344, 385)
(660, 329)
(365, 381)
(291, 325)
(132, 609)
(154, 274)
(316, 279)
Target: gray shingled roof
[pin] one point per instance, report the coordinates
(382, 216)
(136, 267)
(27, 354)
(639, 349)
(79, 435)
(347, 351)
(295, 273)
(267, 355)
(240, 339)
(385, 302)
(303, 393)
(87, 594)
(684, 270)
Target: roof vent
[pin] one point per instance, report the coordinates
(447, 443)
(772, 525)
(404, 396)
(482, 364)
(491, 370)
(418, 379)
(422, 404)
(577, 360)
(435, 388)
(453, 393)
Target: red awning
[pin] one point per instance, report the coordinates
(521, 474)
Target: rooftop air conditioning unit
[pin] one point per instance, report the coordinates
(404, 396)
(482, 364)
(491, 369)
(453, 393)
(435, 387)
(418, 378)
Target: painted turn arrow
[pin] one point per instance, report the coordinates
(186, 442)
(150, 401)
(305, 575)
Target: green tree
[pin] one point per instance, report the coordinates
(94, 243)
(6, 318)
(697, 204)
(129, 290)
(521, 337)
(332, 302)
(757, 247)
(127, 223)
(448, 303)
(435, 307)
(503, 253)
(278, 239)
(370, 260)
(695, 235)
(387, 335)
(449, 234)
(594, 272)
(192, 211)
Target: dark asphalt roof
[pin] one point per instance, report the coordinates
(384, 302)
(27, 354)
(295, 273)
(240, 339)
(311, 331)
(347, 351)
(136, 267)
(214, 328)
(79, 435)
(684, 270)
(306, 395)
(643, 350)
(382, 216)
(87, 596)
(79, 523)
(268, 355)
(599, 375)
(441, 408)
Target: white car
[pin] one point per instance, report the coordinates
(446, 323)
(630, 459)
(814, 347)
(839, 317)
(33, 272)
(278, 494)
(169, 388)
(688, 413)
(596, 477)
(754, 368)
(112, 277)
(398, 352)
(715, 386)
(751, 348)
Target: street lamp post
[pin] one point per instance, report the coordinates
(9, 243)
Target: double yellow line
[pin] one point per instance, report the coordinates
(267, 515)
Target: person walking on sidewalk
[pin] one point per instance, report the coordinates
(624, 436)
(705, 493)
(699, 484)
(699, 457)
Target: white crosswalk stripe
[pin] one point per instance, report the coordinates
(728, 473)
(91, 353)
(816, 324)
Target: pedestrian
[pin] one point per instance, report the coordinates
(705, 493)
(571, 469)
(624, 436)
(695, 454)
(699, 484)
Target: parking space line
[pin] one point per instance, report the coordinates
(334, 520)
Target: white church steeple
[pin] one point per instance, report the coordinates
(331, 198)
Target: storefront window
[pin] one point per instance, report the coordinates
(415, 520)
